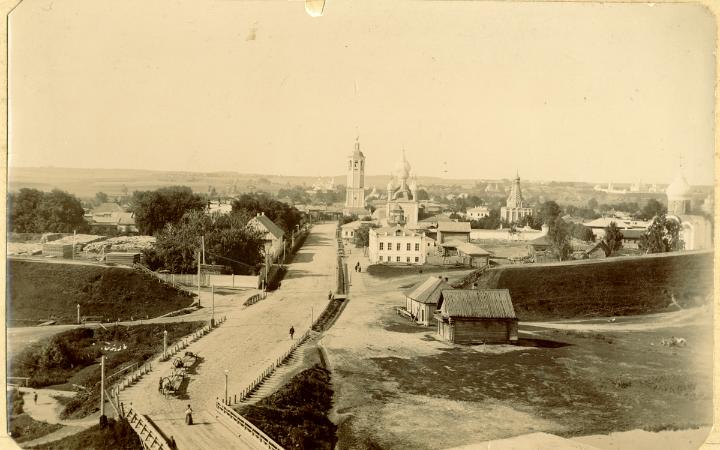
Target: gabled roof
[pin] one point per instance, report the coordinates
(268, 225)
(454, 227)
(427, 291)
(471, 249)
(477, 303)
(107, 208)
(126, 218)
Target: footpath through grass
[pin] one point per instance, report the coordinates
(41, 291)
(72, 358)
(21, 426)
(296, 415)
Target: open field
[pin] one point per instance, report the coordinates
(40, 291)
(608, 287)
(566, 382)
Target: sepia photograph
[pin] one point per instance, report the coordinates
(371, 225)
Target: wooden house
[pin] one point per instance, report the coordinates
(421, 299)
(467, 316)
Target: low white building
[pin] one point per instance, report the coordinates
(477, 212)
(598, 225)
(349, 229)
(399, 245)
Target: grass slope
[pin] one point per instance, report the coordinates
(606, 288)
(21, 426)
(72, 357)
(296, 415)
(116, 435)
(41, 290)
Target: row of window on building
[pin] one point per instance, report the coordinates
(397, 247)
(397, 258)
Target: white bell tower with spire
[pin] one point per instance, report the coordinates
(355, 194)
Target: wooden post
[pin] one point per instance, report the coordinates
(198, 276)
(102, 387)
(78, 313)
(165, 344)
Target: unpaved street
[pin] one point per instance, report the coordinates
(248, 342)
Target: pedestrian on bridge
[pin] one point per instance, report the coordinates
(188, 415)
(292, 331)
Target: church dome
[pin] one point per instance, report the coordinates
(679, 188)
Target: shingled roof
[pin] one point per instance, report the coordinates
(477, 303)
(427, 291)
(454, 227)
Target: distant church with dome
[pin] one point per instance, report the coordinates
(402, 203)
(695, 229)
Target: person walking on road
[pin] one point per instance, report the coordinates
(188, 415)
(292, 331)
(330, 295)
(35, 397)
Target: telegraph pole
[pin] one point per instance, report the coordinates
(198, 277)
(78, 313)
(103, 418)
(212, 317)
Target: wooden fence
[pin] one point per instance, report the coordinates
(255, 298)
(206, 279)
(265, 374)
(246, 426)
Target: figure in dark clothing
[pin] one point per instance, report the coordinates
(330, 295)
(292, 332)
(188, 415)
(35, 397)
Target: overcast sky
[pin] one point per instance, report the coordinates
(594, 92)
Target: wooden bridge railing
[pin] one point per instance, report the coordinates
(246, 426)
(151, 438)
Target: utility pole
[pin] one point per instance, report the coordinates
(164, 344)
(102, 390)
(226, 383)
(78, 313)
(202, 240)
(212, 317)
(198, 276)
(73, 248)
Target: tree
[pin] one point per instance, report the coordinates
(580, 231)
(592, 203)
(549, 212)
(490, 222)
(651, 209)
(422, 194)
(612, 239)
(155, 209)
(34, 211)
(362, 235)
(229, 241)
(559, 237)
(282, 214)
(100, 198)
(663, 235)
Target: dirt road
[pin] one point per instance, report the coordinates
(251, 338)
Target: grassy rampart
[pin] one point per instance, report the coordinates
(621, 286)
(41, 291)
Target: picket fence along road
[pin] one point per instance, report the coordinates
(250, 339)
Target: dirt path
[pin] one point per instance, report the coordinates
(245, 344)
(647, 322)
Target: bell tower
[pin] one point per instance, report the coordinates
(355, 196)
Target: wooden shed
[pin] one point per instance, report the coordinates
(421, 300)
(467, 316)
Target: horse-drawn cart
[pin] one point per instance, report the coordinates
(173, 384)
